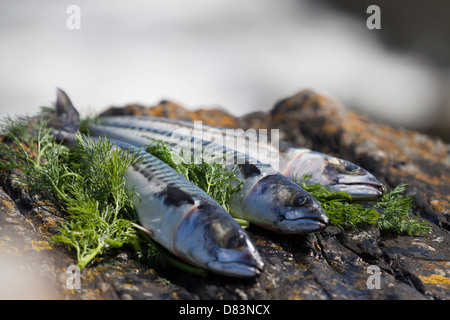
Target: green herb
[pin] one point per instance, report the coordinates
(94, 196)
(21, 155)
(395, 214)
(391, 213)
(210, 176)
(90, 188)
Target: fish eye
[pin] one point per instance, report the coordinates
(233, 240)
(297, 201)
(353, 168)
(227, 237)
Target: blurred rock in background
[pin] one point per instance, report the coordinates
(417, 27)
(242, 56)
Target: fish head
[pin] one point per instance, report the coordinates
(352, 179)
(346, 176)
(213, 240)
(278, 204)
(339, 175)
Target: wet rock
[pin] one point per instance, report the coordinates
(364, 243)
(333, 264)
(27, 260)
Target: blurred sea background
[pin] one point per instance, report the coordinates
(241, 56)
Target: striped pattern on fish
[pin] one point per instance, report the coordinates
(292, 161)
(266, 197)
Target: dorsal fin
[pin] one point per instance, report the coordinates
(68, 118)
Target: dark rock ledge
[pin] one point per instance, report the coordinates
(333, 264)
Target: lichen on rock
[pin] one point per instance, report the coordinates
(333, 264)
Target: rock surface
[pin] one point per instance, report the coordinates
(333, 264)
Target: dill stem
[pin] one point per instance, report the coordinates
(25, 156)
(60, 193)
(70, 174)
(40, 149)
(242, 223)
(83, 261)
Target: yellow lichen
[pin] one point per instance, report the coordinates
(437, 279)
(41, 245)
(6, 204)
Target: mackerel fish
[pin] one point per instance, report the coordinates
(292, 161)
(266, 198)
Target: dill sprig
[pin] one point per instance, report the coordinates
(90, 188)
(395, 214)
(24, 135)
(99, 207)
(391, 213)
(208, 175)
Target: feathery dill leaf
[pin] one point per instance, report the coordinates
(90, 188)
(395, 214)
(209, 176)
(391, 213)
(99, 207)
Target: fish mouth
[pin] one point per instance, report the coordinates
(302, 225)
(362, 186)
(236, 268)
(298, 220)
(360, 190)
(294, 222)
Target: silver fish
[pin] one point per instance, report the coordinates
(266, 198)
(292, 161)
(187, 221)
(182, 217)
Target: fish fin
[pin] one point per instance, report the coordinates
(66, 121)
(68, 118)
(145, 230)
